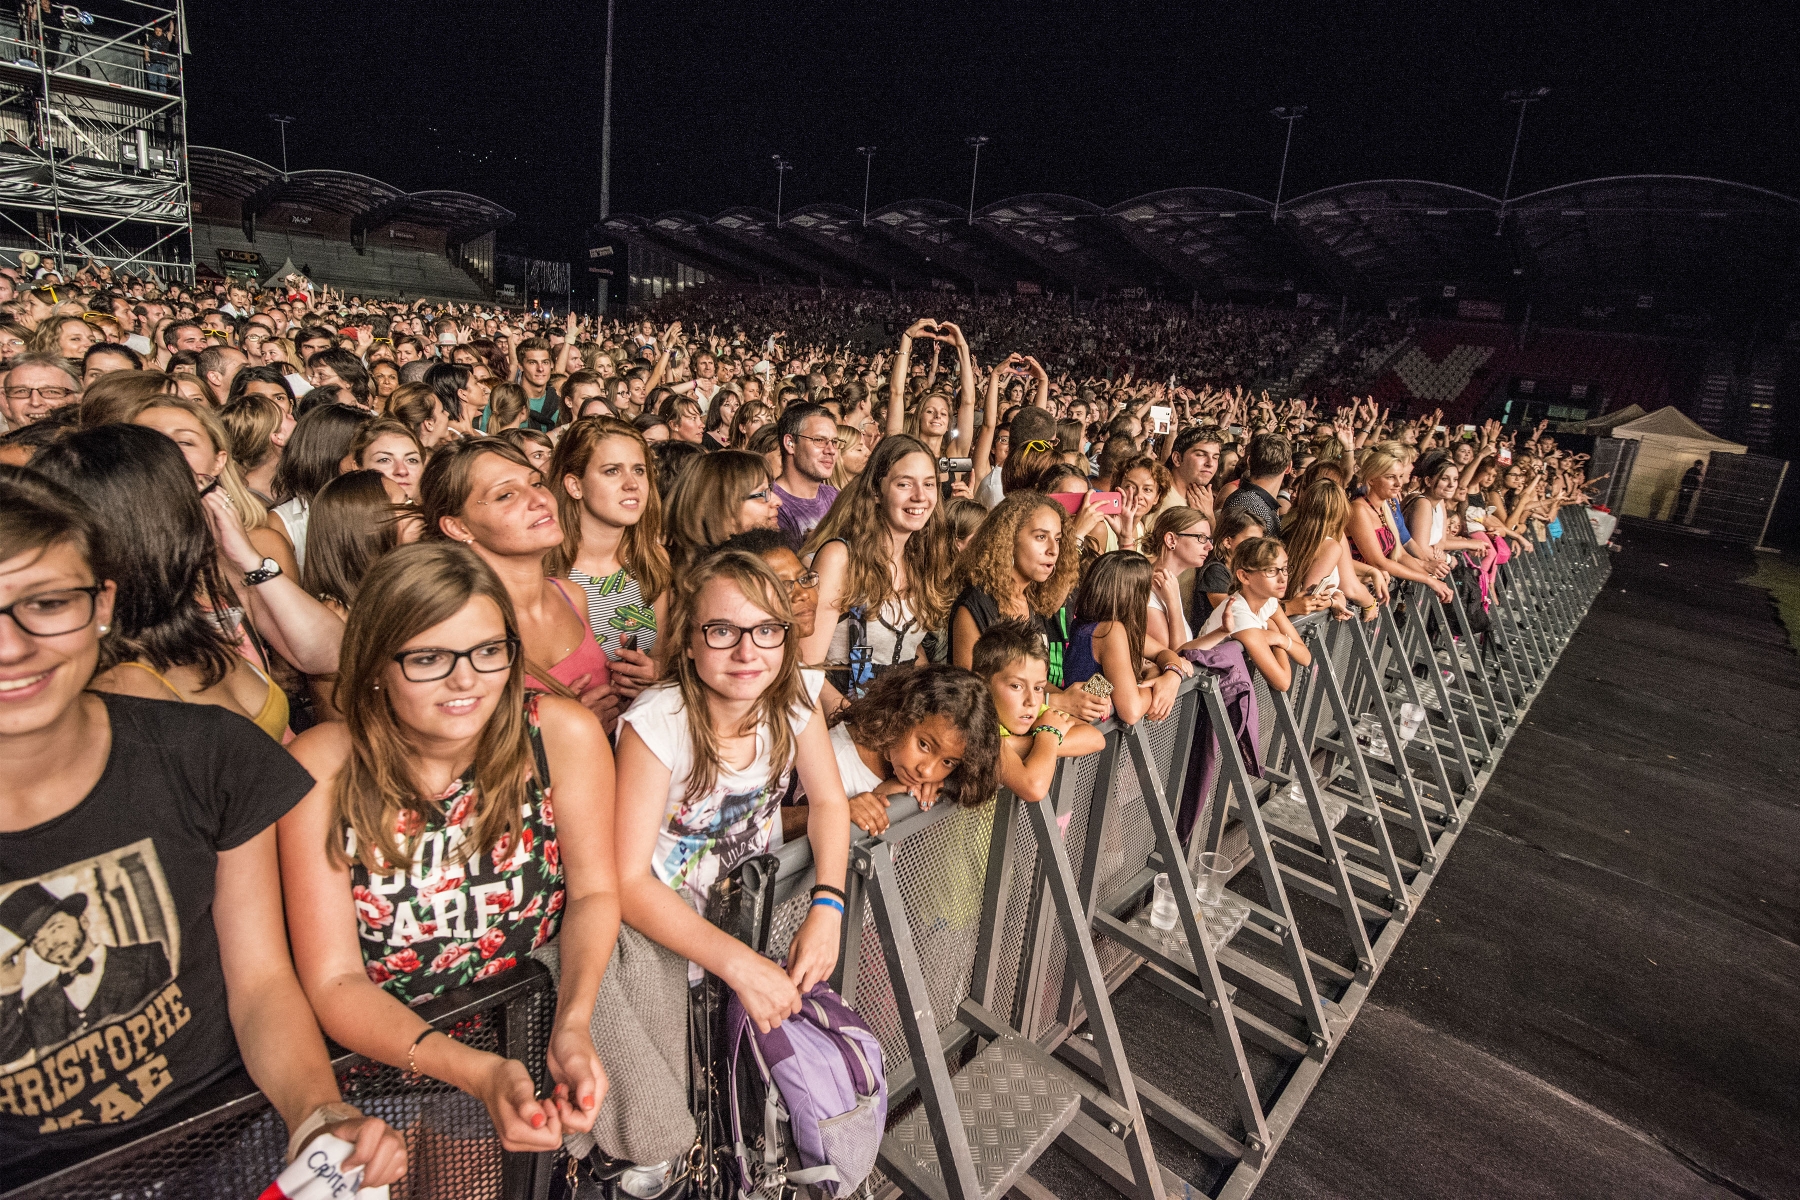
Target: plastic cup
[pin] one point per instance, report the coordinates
(1411, 717)
(1213, 872)
(1163, 913)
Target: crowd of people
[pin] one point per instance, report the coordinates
(353, 652)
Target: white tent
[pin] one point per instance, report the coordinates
(1603, 426)
(1668, 444)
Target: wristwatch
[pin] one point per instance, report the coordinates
(267, 571)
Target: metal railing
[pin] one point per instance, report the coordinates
(983, 945)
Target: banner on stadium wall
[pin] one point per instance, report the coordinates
(1027, 288)
(1480, 310)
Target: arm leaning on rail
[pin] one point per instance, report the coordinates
(276, 1034)
(769, 994)
(362, 1017)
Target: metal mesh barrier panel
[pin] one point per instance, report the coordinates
(233, 1151)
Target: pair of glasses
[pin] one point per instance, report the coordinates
(763, 494)
(432, 663)
(1198, 537)
(823, 441)
(52, 394)
(50, 614)
(723, 635)
(1275, 572)
(1038, 444)
(802, 583)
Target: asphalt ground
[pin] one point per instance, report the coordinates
(1601, 994)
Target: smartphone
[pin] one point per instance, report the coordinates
(1161, 415)
(1440, 429)
(1236, 431)
(1108, 503)
(1071, 501)
(1468, 431)
(1505, 455)
(628, 641)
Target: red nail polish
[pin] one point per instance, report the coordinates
(537, 1121)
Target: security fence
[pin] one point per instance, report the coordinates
(984, 945)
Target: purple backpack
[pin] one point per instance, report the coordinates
(827, 1096)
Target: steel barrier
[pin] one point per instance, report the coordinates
(991, 985)
(983, 945)
(228, 1144)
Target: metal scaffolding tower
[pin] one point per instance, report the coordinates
(93, 134)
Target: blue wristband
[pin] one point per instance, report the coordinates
(829, 902)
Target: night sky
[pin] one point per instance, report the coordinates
(1101, 101)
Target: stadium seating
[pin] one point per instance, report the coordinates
(1459, 366)
(377, 271)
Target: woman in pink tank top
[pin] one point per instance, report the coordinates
(485, 494)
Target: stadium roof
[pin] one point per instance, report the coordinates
(368, 203)
(1643, 233)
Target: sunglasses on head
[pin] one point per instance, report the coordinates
(1038, 444)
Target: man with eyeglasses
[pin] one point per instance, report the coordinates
(37, 384)
(808, 454)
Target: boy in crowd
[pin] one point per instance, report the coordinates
(1013, 661)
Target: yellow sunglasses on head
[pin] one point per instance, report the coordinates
(1038, 444)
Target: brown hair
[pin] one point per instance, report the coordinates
(641, 545)
(405, 593)
(763, 588)
(250, 423)
(376, 428)
(507, 401)
(352, 524)
(1253, 554)
(987, 561)
(1172, 521)
(1117, 588)
(900, 700)
(857, 517)
(1320, 511)
(117, 394)
(705, 499)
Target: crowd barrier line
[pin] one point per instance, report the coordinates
(984, 944)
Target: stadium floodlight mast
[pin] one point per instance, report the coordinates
(1289, 113)
(868, 153)
(782, 167)
(606, 122)
(1521, 97)
(284, 122)
(977, 142)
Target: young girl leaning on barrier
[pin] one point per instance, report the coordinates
(429, 856)
(112, 1015)
(1253, 616)
(703, 760)
(929, 732)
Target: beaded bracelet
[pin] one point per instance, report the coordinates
(1051, 729)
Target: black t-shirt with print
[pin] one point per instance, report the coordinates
(112, 996)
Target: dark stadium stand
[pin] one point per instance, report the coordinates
(1470, 369)
(357, 234)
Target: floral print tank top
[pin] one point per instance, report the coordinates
(443, 923)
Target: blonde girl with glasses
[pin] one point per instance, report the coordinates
(1252, 614)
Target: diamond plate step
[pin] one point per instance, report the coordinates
(1014, 1101)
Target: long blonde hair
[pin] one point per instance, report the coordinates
(406, 592)
(858, 519)
(640, 546)
(762, 588)
(251, 513)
